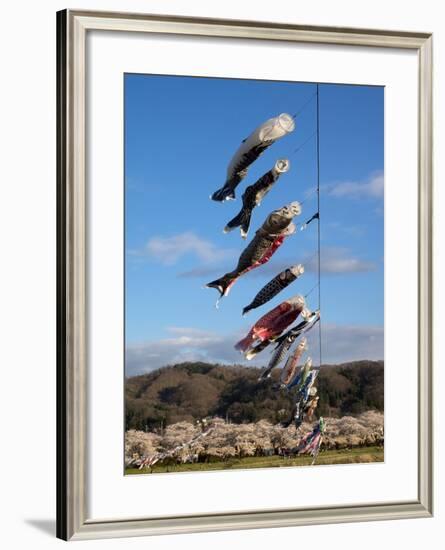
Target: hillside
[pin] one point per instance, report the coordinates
(189, 391)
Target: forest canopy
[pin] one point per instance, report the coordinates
(191, 391)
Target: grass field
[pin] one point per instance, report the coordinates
(347, 456)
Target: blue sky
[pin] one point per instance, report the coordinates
(180, 134)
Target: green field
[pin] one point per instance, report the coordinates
(346, 456)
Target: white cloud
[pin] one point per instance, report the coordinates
(185, 344)
(200, 272)
(188, 331)
(342, 343)
(339, 343)
(356, 231)
(334, 260)
(169, 250)
(373, 187)
(339, 260)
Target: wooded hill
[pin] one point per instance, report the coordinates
(189, 391)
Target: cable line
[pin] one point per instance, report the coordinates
(304, 105)
(295, 151)
(318, 208)
(311, 290)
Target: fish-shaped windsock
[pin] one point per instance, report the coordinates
(310, 319)
(299, 377)
(291, 367)
(254, 194)
(310, 407)
(251, 148)
(272, 324)
(316, 216)
(275, 286)
(310, 443)
(285, 341)
(278, 355)
(151, 460)
(269, 237)
(308, 383)
(304, 407)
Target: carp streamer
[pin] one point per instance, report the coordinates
(250, 149)
(311, 443)
(269, 237)
(276, 285)
(272, 324)
(253, 195)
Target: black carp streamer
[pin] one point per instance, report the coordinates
(275, 286)
(254, 194)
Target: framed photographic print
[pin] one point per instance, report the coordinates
(244, 274)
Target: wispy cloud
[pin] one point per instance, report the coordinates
(211, 259)
(334, 261)
(339, 343)
(342, 343)
(339, 260)
(184, 344)
(372, 187)
(200, 272)
(170, 250)
(355, 231)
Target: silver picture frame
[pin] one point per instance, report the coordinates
(72, 29)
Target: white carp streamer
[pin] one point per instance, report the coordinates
(250, 149)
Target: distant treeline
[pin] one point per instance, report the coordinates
(191, 391)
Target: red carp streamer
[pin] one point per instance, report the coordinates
(310, 444)
(273, 323)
